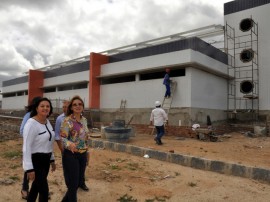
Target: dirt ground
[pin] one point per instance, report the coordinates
(113, 176)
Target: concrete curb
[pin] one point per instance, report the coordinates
(255, 173)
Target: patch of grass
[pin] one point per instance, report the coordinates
(12, 154)
(114, 167)
(160, 199)
(192, 184)
(133, 166)
(15, 178)
(118, 160)
(177, 174)
(127, 198)
(15, 166)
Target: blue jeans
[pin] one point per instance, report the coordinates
(168, 90)
(160, 132)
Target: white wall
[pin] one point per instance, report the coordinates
(15, 88)
(18, 102)
(165, 60)
(142, 94)
(197, 89)
(83, 93)
(67, 78)
(146, 63)
(260, 15)
(207, 90)
(139, 94)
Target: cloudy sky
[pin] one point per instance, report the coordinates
(36, 33)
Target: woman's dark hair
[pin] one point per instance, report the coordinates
(36, 104)
(29, 108)
(69, 110)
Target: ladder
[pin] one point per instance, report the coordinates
(123, 105)
(166, 104)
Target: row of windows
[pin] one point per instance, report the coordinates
(66, 87)
(14, 94)
(143, 77)
(104, 81)
(49, 90)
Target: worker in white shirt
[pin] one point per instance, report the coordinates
(158, 118)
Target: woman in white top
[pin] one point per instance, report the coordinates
(38, 149)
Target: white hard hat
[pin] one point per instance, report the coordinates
(195, 126)
(157, 103)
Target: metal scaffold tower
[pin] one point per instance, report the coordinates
(243, 69)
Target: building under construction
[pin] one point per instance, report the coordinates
(221, 71)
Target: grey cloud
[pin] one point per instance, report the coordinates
(52, 31)
(31, 4)
(28, 53)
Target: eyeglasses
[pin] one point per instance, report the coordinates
(77, 104)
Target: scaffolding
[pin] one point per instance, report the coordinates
(243, 69)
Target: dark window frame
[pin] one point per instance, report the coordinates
(118, 79)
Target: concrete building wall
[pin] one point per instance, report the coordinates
(20, 101)
(147, 63)
(260, 15)
(17, 103)
(207, 90)
(67, 79)
(15, 88)
(171, 59)
(143, 94)
(68, 95)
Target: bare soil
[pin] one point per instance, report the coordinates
(114, 176)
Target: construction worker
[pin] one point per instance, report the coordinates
(167, 83)
(158, 117)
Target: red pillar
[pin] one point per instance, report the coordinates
(96, 60)
(35, 84)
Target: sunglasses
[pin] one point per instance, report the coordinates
(77, 104)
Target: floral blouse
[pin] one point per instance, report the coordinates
(74, 131)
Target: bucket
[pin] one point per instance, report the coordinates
(260, 131)
(102, 130)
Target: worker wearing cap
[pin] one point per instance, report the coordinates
(167, 83)
(158, 117)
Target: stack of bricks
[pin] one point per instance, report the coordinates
(185, 131)
(178, 131)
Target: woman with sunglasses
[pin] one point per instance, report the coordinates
(74, 133)
(38, 140)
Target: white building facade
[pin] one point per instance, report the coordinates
(203, 74)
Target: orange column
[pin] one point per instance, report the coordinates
(96, 60)
(35, 84)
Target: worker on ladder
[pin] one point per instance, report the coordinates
(167, 83)
(158, 117)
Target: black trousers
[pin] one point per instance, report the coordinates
(74, 165)
(41, 164)
(25, 184)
